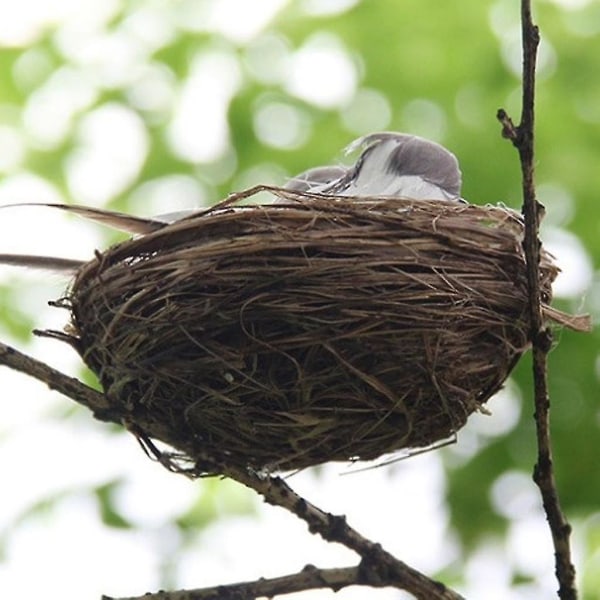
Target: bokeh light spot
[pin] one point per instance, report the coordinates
(424, 117)
(321, 8)
(267, 58)
(322, 72)
(12, 148)
(50, 111)
(368, 111)
(514, 495)
(505, 407)
(31, 68)
(153, 91)
(167, 194)
(470, 106)
(238, 20)
(199, 131)
(281, 125)
(572, 258)
(559, 203)
(112, 146)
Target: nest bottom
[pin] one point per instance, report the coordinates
(280, 337)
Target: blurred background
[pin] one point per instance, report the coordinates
(150, 106)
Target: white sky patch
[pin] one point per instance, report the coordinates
(33, 398)
(113, 144)
(152, 23)
(468, 443)
(221, 171)
(153, 91)
(111, 60)
(23, 22)
(559, 203)
(582, 23)
(168, 502)
(26, 187)
(503, 18)
(470, 106)
(505, 407)
(39, 230)
(514, 495)
(50, 111)
(575, 263)
(167, 194)
(592, 305)
(90, 556)
(31, 68)
(505, 24)
(114, 58)
(572, 4)
(267, 58)
(12, 148)
(281, 125)
(512, 57)
(59, 461)
(263, 173)
(526, 539)
(368, 111)
(424, 117)
(586, 104)
(238, 20)
(322, 72)
(199, 131)
(412, 525)
(323, 8)
(488, 574)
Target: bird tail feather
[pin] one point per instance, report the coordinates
(47, 263)
(116, 220)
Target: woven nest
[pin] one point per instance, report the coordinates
(276, 337)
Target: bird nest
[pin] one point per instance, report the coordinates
(276, 337)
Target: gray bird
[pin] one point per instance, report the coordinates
(389, 165)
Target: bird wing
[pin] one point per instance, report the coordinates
(397, 164)
(314, 180)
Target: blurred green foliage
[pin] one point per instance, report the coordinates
(218, 498)
(444, 69)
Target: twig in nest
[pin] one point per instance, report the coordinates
(522, 136)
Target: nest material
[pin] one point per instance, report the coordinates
(326, 329)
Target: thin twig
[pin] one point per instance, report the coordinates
(377, 567)
(522, 136)
(309, 578)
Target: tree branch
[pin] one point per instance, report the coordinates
(522, 137)
(309, 578)
(55, 380)
(377, 568)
